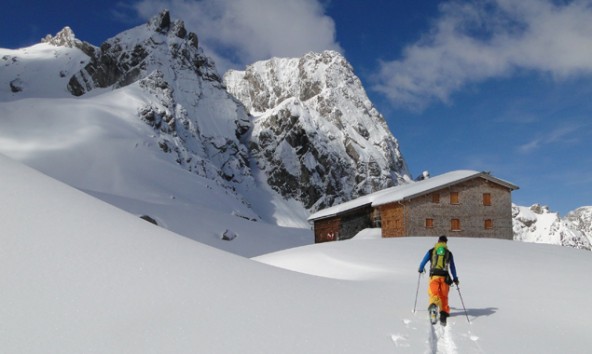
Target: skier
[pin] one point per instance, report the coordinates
(441, 261)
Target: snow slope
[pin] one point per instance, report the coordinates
(520, 298)
(81, 276)
(96, 143)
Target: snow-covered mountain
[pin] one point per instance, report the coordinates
(317, 136)
(538, 224)
(145, 122)
(195, 120)
(167, 146)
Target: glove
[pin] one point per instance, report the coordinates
(421, 271)
(456, 281)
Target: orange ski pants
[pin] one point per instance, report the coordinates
(438, 293)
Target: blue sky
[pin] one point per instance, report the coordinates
(496, 85)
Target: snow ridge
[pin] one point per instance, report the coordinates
(538, 224)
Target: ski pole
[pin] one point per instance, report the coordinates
(417, 292)
(463, 303)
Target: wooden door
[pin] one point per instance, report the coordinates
(393, 220)
(327, 230)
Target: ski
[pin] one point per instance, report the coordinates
(433, 313)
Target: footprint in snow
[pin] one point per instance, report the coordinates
(400, 340)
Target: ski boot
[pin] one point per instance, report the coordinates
(443, 317)
(433, 313)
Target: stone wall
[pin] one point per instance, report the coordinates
(470, 211)
(355, 222)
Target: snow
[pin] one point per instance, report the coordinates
(79, 275)
(43, 69)
(97, 144)
(538, 224)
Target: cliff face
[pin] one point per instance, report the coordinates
(316, 135)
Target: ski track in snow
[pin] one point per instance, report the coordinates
(440, 340)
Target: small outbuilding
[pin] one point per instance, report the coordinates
(458, 203)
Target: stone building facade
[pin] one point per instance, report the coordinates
(459, 203)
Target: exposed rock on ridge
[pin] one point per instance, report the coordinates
(317, 136)
(67, 38)
(121, 61)
(196, 121)
(539, 224)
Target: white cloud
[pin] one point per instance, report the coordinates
(240, 32)
(565, 134)
(478, 40)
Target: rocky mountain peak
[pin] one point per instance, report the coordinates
(196, 123)
(64, 38)
(303, 78)
(317, 136)
(136, 53)
(67, 38)
(162, 23)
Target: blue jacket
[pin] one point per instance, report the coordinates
(428, 257)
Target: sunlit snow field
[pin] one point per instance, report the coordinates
(79, 275)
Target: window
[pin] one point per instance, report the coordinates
(429, 223)
(455, 225)
(454, 198)
(377, 222)
(488, 224)
(487, 199)
(375, 218)
(436, 198)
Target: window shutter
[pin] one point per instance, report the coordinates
(487, 199)
(454, 199)
(436, 198)
(455, 225)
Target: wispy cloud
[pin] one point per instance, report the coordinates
(239, 32)
(567, 134)
(472, 41)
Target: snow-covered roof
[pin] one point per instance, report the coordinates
(408, 191)
(350, 205)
